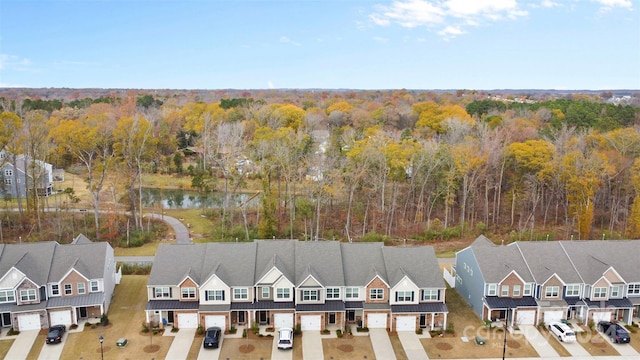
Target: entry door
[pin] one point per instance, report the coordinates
(263, 318)
(6, 319)
(82, 312)
(241, 319)
(351, 315)
(423, 321)
(170, 317)
(332, 318)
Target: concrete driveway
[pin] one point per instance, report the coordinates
(312, 345)
(381, 344)
(622, 349)
(22, 344)
(181, 343)
(412, 345)
(538, 341)
(277, 354)
(208, 354)
(52, 351)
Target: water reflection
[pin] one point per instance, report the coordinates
(184, 199)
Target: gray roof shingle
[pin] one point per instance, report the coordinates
(546, 258)
(497, 261)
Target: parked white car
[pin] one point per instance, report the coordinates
(285, 338)
(562, 331)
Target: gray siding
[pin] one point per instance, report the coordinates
(472, 286)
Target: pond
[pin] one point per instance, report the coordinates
(185, 199)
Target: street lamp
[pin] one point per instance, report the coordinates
(101, 350)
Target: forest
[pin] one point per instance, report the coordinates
(345, 165)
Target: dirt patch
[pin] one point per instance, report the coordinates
(247, 348)
(598, 343)
(151, 348)
(444, 346)
(513, 344)
(345, 348)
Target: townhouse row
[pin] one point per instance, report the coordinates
(285, 283)
(47, 283)
(540, 282)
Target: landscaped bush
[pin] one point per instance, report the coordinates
(135, 269)
(145, 327)
(104, 320)
(362, 329)
(339, 333)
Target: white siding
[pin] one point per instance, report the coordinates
(11, 279)
(214, 283)
(405, 285)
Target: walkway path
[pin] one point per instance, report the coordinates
(22, 344)
(181, 343)
(181, 231)
(312, 345)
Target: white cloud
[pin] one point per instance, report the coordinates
(13, 62)
(380, 39)
(270, 85)
(450, 16)
(549, 4)
(286, 40)
(608, 5)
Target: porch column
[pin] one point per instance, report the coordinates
(513, 315)
(433, 320)
(444, 322)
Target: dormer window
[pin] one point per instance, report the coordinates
(600, 293)
(552, 291)
(55, 290)
(310, 295)
(492, 290)
(404, 296)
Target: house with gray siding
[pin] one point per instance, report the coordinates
(536, 282)
(23, 174)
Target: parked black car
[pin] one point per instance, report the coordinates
(55, 334)
(616, 332)
(212, 337)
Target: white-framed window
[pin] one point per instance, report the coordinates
(633, 289)
(283, 293)
(94, 286)
(55, 289)
(615, 291)
(527, 290)
(28, 295)
(572, 290)
(376, 294)
(516, 290)
(7, 296)
(504, 290)
(351, 293)
(214, 295)
(240, 294)
(430, 295)
(188, 293)
(552, 291)
(333, 293)
(162, 292)
(67, 289)
(599, 293)
(266, 292)
(8, 181)
(8, 172)
(81, 288)
(404, 296)
(492, 289)
(310, 295)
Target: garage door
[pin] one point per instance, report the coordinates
(377, 321)
(215, 320)
(29, 322)
(552, 316)
(283, 320)
(601, 316)
(60, 317)
(187, 321)
(310, 322)
(406, 323)
(526, 317)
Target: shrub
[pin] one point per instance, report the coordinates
(450, 328)
(347, 329)
(174, 329)
(362, 329)
(200, 330)
(73, 326)
(244, 333)
(145, 327)
(419, 331)
(104, 320)
(339, 333)
(13, 331)
(298, 330)
(255, 327)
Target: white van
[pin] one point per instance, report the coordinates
(562, 331)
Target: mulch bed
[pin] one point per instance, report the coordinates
(444, 346)
(513, 344)
(246, 348)
(345, 348)
(151, 348)
(104, 349)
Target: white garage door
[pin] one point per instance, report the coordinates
(601, 316)
(526, 317)
(406, 323)
(310, 322)
(29, 322)
(187, 321)
(60, 317)
(377, 321)
(283, 320)
(215, 320)
(552, 316)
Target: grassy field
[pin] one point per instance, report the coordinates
(5, 345)
(356, 347)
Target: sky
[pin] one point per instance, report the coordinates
(321, 44)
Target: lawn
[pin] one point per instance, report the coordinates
(595, 344)
(554, 342)
(635, 339)
(249, 348)
(355, 347)
(5, 345)
(126, 316)
(467, 324)
(397, 346)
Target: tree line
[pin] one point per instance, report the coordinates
(351, 165)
